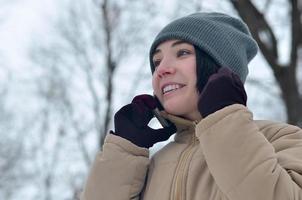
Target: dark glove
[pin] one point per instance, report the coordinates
(131, 123)
(223, 88)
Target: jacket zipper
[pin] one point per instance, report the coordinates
(177, 190)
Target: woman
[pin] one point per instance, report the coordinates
(199, 64)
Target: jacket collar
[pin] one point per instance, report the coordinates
(185, 128)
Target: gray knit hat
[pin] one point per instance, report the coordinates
(226, 39)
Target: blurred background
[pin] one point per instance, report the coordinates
(67, 66)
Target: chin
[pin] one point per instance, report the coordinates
(174, 107)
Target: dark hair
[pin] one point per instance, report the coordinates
(205, 67)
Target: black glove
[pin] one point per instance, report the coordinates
(223, 88)
(131, 123)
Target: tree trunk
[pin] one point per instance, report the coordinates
(290, 94)
(110, 65)
(286, 75)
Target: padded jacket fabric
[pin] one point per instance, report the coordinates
(227, 155)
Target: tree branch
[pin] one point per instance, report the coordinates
(111, 65)
(296, 33)
(260, 29)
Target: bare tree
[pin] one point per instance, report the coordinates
(13, 174)
(109, 18)
(266, 36)
(75, 83)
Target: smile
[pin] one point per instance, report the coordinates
(171, 87)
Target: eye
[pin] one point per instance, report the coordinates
(183, 52)
(156, 62)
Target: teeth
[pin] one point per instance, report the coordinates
(169, 88)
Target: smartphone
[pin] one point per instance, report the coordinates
(164, 122)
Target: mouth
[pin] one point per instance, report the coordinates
(168, 88)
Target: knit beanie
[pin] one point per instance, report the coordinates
(224, 38)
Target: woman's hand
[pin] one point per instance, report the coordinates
(131, 123)
(223, 88)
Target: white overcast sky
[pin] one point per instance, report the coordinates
(20, 19)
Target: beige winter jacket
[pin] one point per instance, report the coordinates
(227, 155)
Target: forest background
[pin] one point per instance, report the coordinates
(67, 66)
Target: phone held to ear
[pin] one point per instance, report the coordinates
(164, 122)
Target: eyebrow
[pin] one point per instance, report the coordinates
(178, 42)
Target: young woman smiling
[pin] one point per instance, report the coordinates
(199, 64)
(174, 80)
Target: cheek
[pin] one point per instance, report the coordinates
(155, 86)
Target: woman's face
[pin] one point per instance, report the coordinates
(174, 79)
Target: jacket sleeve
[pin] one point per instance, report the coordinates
(249, 163)
(118, 172)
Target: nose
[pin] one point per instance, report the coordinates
(165, 68)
